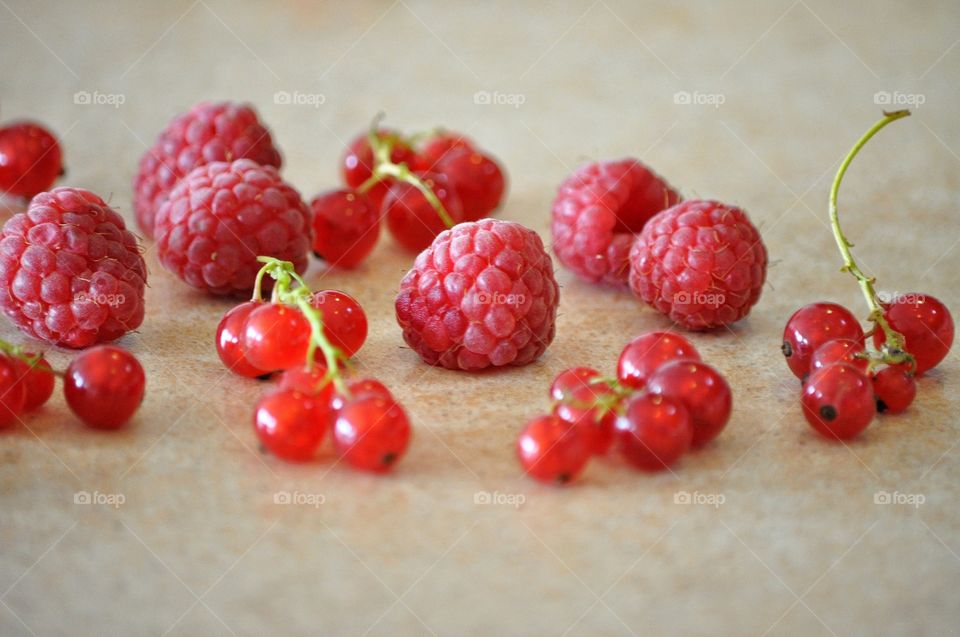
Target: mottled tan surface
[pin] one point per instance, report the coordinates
(798, 546)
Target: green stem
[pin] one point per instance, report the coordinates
(32, 360)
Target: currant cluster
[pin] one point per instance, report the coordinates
(845, 382)
(30, 159)
(309, 337)
(420, 189)
(663, 401)
(103, 386)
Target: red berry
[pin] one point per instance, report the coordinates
(290, 424)
(926, 326)
(702, 390)
(701, 263)
(841, 350)
(37, 380)
(477, 178)
(569, 380)
(372, 432)
(591, 409)
(13, 393)
(104, 386)
(654, 431)
(813, 325)
(597, 213)
(30, 159)
(412, 220)
(344, 321)
(482, 295)
(276, 336)
(838, 401)
(345, 227)
(208, 132)
(358, 163)
(229, 340)
(894, 389)
(437, 148)
(359, 389)
(310, 381)
(71, 273)
(649, 352)
(553, 451)
(222, 216)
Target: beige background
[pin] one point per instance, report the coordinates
(798, 546)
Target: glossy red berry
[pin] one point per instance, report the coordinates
(571, 379)
(312, 381)
(290, 424)
(649, 352)
(104, 386)
(345, 227)
(358, 389)
(438, 147)
(841, 350)
(477, 178)
(358, 162)
(702, 390)
(813, 325)
(13, 393)
(344, 321)
(37, 381)
(552, 451)
(654, 431)
(230, 346)
(590, 408)
(30, 159)
(894, 389)
(838, 401)
(412, 220)
(926, 325)
(372, 432)
(276, 336)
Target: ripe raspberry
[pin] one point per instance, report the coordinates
(210, 131)
(702, 263)
(221, 216)
(482, 294)
(70, 271)
(598, 211)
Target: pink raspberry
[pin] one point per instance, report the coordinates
(597, 213)
(71, 273)
(221, 131)
(222, 216)
(483, 294)
(702, 263)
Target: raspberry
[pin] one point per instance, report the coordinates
(70, 271)
(598, 211)
(483, 294)
(210, 131)
(702, 263)
(221, 216)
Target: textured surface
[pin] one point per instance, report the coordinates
(798, 545)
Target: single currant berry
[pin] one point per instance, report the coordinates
(571, 379)
(926, 326)
(291, 425)
(649, 352)
(372, 432)
(840, 350)
(104, 386)
(591, 408)
(37, 379)
(13, 393)
(477, 178)
(276, 336)
(358, 163)
(412, 219)
(813, 325)
(838, 401)
(358, 389)
(894, 389)
(435, 149)
(552, 451)
(345, 227)
(702, 390)
(230, 344)
(654, 431)
(310, 381)
(30, 159)
(344, 321)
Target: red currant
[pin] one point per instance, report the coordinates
(702, 390)
(344, 321)
(276, 336)
(290, 424)
(813, 325)
(30, 159)
(597, 421)
(345, 227)
(372, 432)
(13, 393)
(926, 326)
(838, 401)
(570, 379)
(230, 340)
(360, 388)
(438, 147)
(37, 380)
(358, 163)
(312, 381)
(412, 220)
(839, 350)
(104, 386)
(649, 352)
(654, 431)
(553, 451)
(477, 178)
(894, 389)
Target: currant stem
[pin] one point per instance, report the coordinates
(892, 352)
